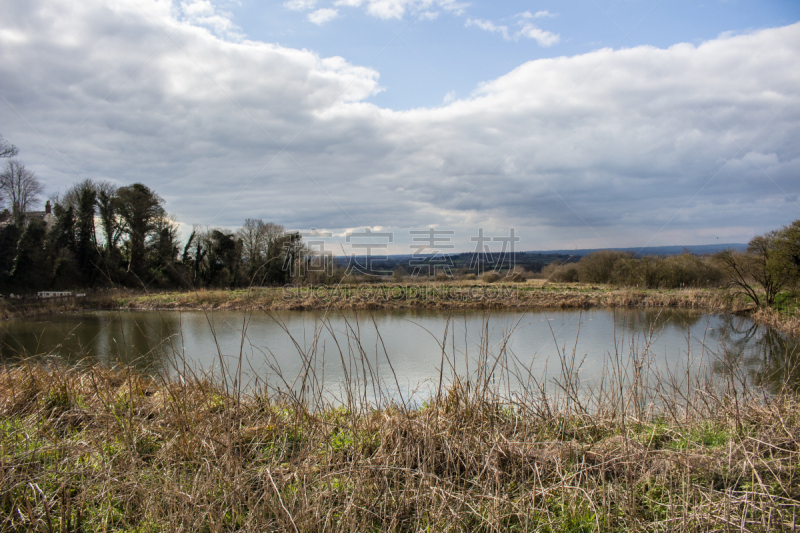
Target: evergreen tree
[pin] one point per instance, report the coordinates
(224, 259)
(31, 270)
(61, 237)
(61, 248)
(86, 240)
(139, 209)
(9, 237)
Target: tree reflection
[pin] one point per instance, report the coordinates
(770, 359)
(143, 341)
(636, 321)
(59, 336)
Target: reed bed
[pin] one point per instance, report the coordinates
(786, 322)
(440, 295)
(102, 449)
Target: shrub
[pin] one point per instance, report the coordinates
(516, 277)
(561, 272)
(607, 266)
(399, 273)
(671, 272)
(490, 277)
(685, 270)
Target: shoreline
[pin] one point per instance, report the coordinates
(430, 296)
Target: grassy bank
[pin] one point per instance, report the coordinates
(437, 296)
(461, 295)
(101, 450)
(11, 309)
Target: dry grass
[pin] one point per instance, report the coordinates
(443, 296)
(11, 309)
(787, 323)
(96, 449)
(460, 295)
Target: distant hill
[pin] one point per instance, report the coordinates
(533, 261)
(701, 249)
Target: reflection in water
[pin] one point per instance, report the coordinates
(404, 348)
(654, 320)
(770, 357)
(127, 339)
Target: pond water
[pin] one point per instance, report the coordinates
(405, 351)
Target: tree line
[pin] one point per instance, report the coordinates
(99, 235)
(769, 265)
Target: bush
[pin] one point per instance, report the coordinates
(490, 277)
(399, 273)
(561, 272)
(685, 270)
(671, 272)
(516, 277)
(607, 266)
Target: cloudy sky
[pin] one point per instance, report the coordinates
(578, 124)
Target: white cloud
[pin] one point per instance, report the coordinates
(487, 25)
(537, 15)
(321, 16)
(701, 138)
(397, 9)
(388, 9)
(531, 31)
(300, 5)
(453, 6)
(203, 13)
(526, 30)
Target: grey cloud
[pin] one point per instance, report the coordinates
(623, 138)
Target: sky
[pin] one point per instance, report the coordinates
(568, 124)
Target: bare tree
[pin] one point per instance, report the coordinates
(21, 187)
(765, 265)
(260, 242)
(254, 241)
(7, 149)
(739, 268)
(73, 195)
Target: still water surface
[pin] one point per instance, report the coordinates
(402, 349)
